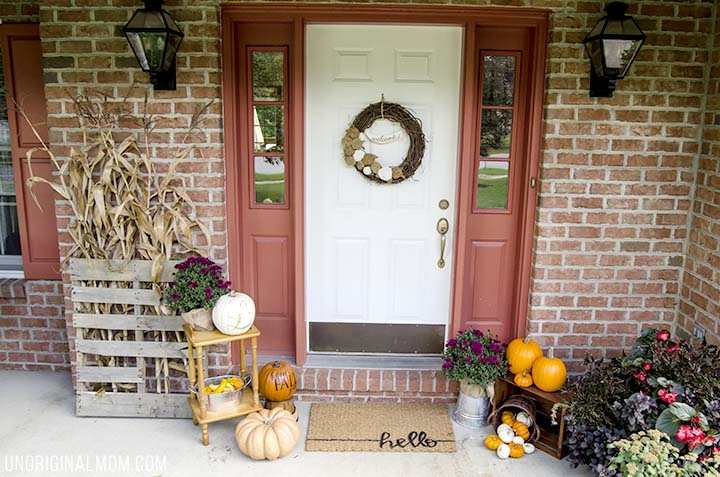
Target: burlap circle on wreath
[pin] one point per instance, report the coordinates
(368, 164)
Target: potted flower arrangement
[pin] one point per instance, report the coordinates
(476, 359)
(197, 287)
(664, 385)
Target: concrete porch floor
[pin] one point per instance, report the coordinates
(39, 421)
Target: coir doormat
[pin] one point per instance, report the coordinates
(379, 427)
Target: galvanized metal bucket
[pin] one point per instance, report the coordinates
(472, 412)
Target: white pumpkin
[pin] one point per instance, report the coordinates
(518, 440)
(525, 418)
(234, 313)
(503, 451)
(528, 448)
(505, 433)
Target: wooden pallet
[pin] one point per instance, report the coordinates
(119, 302)
(551, 435)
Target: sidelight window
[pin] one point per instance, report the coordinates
(268, 69)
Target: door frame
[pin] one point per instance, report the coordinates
(298, 15)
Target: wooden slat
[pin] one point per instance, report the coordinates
(133, 405)
(127, 322)
(136, 270)
(120, 296)
(147, 349)
(109, 374)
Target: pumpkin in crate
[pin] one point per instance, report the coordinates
(234, 313)
(277, 381)
(524, 379)
(549, 373)
(267, 434)
(522, 353)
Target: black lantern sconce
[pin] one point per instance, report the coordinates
(612, 44)
(155, 38)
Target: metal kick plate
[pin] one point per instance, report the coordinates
(376, 338)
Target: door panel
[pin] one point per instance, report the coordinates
(372, 249)
(493, 192)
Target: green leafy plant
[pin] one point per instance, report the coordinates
(644, 454)
(198, 284)
(475, 356)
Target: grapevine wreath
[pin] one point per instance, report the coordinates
(368, 164)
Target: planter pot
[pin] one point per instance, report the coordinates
(199, 319)
(473, 405)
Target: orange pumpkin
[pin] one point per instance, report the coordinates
(521, 354)
(492, 442)
(521, 430)
(524, 380)
(507, 417)
(549, 373)
(516, 450)
(277, 381)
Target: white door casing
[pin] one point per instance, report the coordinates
(372, 249)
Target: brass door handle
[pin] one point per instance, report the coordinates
(442, 227)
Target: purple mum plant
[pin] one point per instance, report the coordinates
(199, 282)
(476, 356)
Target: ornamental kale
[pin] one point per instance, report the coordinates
(476, 356)
(198, 284)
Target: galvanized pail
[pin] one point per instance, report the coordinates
(472, 412)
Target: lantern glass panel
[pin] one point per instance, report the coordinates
(172, 47)
(595, 50)
(619, 54)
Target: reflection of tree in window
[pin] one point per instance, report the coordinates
(271, 121)
(268, 73)
(498, 80)
(495, 133)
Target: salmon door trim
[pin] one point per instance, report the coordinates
(238, 18)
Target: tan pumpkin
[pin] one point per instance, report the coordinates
(267, 434)
(521, 430)
(507, 417)
(277, 381)
(522, 353)
(492, 442)
(516, 450)
(524, 379)
(549, 373)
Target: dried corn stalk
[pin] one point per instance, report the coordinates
(123, 208)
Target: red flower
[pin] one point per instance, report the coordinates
(647, 366)
(673, 348)
(668, 396)
(641, 376)
(696, 419)
(663, 335)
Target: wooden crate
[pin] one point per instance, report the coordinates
(116, 315)
(551, 435)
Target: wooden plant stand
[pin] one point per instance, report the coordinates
(250, 399)
(551, 436)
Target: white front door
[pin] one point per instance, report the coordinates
(372, 249)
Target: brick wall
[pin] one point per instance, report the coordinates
(617, 174)
(32, 325)
(616, 181)
(700, 295)
(19, 11)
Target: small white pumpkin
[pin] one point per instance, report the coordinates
(505, 433)
(503, 451)
(385, 173)
(525, 418)
(234, 313)
(367, 171)
(358, 155)
(518, 440)
(528, 448)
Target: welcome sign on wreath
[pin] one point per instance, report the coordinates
(358, 138)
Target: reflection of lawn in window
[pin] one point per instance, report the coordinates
(270, 186)
(491, 192)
